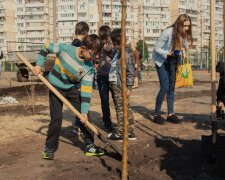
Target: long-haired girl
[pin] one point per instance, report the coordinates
(166, 53)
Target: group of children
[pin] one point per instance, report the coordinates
(74, 68)
(72, 76)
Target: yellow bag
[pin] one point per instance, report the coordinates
(184, 75)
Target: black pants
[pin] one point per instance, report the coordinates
(56, 107)
(104, 88)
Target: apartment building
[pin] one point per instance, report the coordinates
(156, 19)
(204, 16)
(7, 25)
(33, 23)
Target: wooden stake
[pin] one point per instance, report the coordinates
(124, 89)
(213, 66)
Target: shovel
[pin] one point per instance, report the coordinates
(67, 103)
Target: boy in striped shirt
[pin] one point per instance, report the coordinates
(73, 65)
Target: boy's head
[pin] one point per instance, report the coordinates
(116, 38)
(91, 46)
(105, 34)
(82, 28)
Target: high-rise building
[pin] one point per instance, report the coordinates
(33, 23)
(7, 25)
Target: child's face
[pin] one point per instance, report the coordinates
(186, 26)
(107, 40)
(116, 46)
(89, 54)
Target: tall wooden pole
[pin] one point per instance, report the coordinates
(54, 21)
(224, 33)
(124, 89)
(77, 9)
(143, 31)
(111, 17)
(213, 66)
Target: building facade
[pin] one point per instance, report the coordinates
(8, 27)
(29, 23)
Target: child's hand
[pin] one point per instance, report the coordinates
(85, 118)
(171, 54)
(221, 105)
(183, 50)
(128, 92)
(36, 70)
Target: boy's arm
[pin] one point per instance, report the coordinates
(47, 48)
(86, 91)
(129, 70)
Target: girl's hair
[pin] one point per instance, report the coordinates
(178, 31)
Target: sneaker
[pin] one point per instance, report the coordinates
(173, 119)
(92, 150)
(77, 131)
(158, 119)
(131, 136)
(48, 154)
(114, 136)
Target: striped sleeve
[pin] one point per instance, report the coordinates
(47, 48)
(86, 91)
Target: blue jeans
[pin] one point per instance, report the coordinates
(103, 87)
(167, 78)
(139, 74)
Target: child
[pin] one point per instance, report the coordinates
(115, 79)
(221, 90)
(136, 65)
(171, 39)
(72, 66)
(81, 31)
(104, 64)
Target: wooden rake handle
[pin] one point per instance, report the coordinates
(64, 100)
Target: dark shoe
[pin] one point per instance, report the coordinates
(131, 136)
(114, 136)
(92, 150)
(173, 119)
(158, 119)
(48, 154)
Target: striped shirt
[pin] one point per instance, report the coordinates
(69, 69)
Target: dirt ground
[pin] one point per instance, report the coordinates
(170, 151)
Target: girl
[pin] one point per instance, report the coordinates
(166, 53)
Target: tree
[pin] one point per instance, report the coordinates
(140, 48)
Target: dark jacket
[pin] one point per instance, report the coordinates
(129, 69)
(221, 87)
(104, 63)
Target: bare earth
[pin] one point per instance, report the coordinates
(160, 152)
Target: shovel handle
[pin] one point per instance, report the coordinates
(64, 100)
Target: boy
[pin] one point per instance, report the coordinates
(115, 79)
(72, 66)
(221, 90)
(81, 31)
(104, 64)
